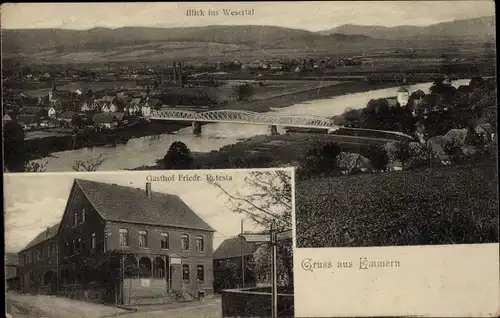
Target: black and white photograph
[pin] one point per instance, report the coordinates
(136, 244)
(385, 111)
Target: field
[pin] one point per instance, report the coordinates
(446, 205)
(279, 150)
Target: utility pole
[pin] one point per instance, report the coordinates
(273, 241)
(242, 257)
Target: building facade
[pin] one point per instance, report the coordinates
(38, 263)
(129, 246)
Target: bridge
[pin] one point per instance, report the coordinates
(253, 118)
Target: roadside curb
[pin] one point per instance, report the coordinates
(126, 308)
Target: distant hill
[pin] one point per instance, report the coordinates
(63, 40)
(481, 28)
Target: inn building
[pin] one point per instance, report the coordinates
(123, 245)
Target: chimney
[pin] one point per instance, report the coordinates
(148, 190)
(48, 232)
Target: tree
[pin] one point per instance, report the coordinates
(270, 202)
(422, 155)
(14, 151)
(401, 152)
(244, 92)
(453, 148)
(378, 158)
(178, 156)
(320, 159)
(349, 162)
(88, 165)
(35, 167)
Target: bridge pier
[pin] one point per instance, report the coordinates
(196, 128)
(273, 130)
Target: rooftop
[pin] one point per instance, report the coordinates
(125, 204)
(43, 236)
(232, 247)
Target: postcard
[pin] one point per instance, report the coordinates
(384, 114)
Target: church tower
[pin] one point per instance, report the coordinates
(52, 92)
(403, 94)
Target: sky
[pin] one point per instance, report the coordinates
(313, 16)
(35, 201)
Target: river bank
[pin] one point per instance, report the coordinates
(308, 95)
(267, 151)
(144, 152)
(43, 147)
(38, 148)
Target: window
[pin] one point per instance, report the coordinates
(32, 257)
(73, 247)
(83, 215)
(78, 246)
(164, 241)
(200, 273)
(39, 254)
(92, 241)
(199, 243)
(49, 250)
(185, 242)
(123, 237)
(75, 219)
(143, 239)
(185, 272)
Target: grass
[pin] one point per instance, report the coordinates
(267, 151)
(446, 205)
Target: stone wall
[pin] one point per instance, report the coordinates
(252, 303)
(145, 291)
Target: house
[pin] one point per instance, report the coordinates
(11, 271)
(462, 137)
(85, 106)
(228, 264)
(28, 121)
(274, 65)
(155, 243)
(107, 120)
(49, 123)
(67, 116)
(6, 118)
(38, 263)
(51, 112)
(134, 106)
(108, 107)
(487, 131)
(34, 110)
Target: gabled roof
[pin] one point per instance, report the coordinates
(101, 118)
(232, 247)
(67, 114)
(125, 204)
(460, 135)
(43, 236)
(136, 101)
(33, 110)
(488, 128)
(26, 119)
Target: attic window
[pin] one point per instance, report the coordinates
(83, 215)
(75, 219)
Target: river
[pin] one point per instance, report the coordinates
(145, 150)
